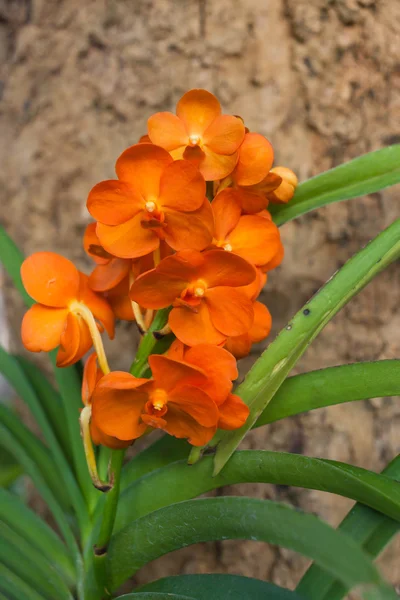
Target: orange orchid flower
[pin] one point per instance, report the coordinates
(200, 133)
(220, 369)
(66, 311)
(155, 198)
(254, 238)
(124, 406)
(240, 345)
(207, 307)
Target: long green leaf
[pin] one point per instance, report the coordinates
(38, 453)
(15, 587)
(370, 529)
(334, 385)
(16, 553)
(8, 441)
(68, 379)
(13, 372)
(155, 491)
(209, 519)
(218, 587)
(272, 368)
(37, 533)
(50, 401)
(154, 596)
(363, 175)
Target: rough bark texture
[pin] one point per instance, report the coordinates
(320, 78)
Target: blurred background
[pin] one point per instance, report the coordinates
(320, 79)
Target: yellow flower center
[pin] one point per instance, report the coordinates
(159, 399)
(227, 247)
(194, 140)
(150, 206)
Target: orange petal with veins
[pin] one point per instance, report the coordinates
(227, 210)
(221, 268)
(167, 130)
(168, 373)
(104, 277)
(194, 328)
(129, 240)
(233, 413)
(230, 310)
(190, 230)
(42, 328)
(255, 239)
(224, 135)
(142, 165)
(117, 403)
(196, 403)
(50, 279)
(182, 187)
(114, 202)
(256, 156)
(198, 109)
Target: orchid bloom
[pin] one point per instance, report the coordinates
(200, 133)
(254, 238)
(124, 406)
(207, 307)
(155, 198)
(67, 310)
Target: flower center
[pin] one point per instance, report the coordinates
(227, 247)
(150, 206)
(194, 140)
(159, 399)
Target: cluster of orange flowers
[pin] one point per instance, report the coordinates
(185, 225)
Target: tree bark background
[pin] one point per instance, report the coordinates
(319, 78)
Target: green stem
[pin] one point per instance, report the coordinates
(148, 342)
(107, 524)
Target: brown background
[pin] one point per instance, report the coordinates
(320, 78)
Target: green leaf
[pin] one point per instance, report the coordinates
(363, 175)
(370, 529)
(219, 587)
(38, 453)
(16, 553)
(155, 491)
(162, 452)
(15, 587)
(154, 596)
(36, 532)
(10, 469)
(13, 372)
(50, 401)
(68, 379)
(272, 368)
(334, 385)
(8, 441)
(211, 519)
